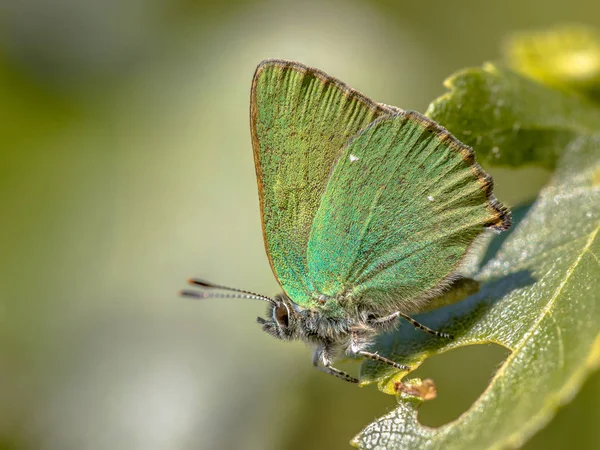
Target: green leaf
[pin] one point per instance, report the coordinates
(567, 58)
(511, 120)
(539, 293)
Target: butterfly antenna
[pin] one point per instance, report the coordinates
(236, 293)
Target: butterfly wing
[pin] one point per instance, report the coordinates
(403, 205)
(300, 119)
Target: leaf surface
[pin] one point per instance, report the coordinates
(511, 120)
(567, 58)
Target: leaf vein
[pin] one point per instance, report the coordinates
(594, 256)
(561, 348)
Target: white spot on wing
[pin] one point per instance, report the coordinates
(353, 157)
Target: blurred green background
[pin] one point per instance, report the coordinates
(126, 167)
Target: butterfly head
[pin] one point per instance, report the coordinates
(284, 318)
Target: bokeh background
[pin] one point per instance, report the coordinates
(126, 167)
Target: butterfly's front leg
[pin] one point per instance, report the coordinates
(322, 361)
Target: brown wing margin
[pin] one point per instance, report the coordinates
(501, 216)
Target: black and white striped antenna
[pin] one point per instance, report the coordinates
(233, 292)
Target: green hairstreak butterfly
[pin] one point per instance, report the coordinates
(367, 211)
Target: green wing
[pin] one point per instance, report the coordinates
(403, 205)
(300, 119)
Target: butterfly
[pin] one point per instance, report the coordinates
(367, 211)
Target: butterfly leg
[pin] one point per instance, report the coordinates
(383, 359)
(322, 362)
(358, 342)
(386, 321)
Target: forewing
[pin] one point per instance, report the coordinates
(301, 120)
(403, 204)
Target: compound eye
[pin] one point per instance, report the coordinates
(281, 315)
